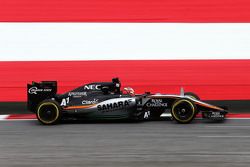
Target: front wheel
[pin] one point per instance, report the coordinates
(183, 111)
(192, 95)
(48, 112)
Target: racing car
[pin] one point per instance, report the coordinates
(106, 101)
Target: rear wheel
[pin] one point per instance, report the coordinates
(48, 112)
(183, 111)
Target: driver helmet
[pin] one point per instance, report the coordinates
(129, 90)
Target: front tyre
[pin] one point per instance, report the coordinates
(192, 95)
(183, 111)
(49, 112)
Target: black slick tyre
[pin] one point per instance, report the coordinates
(183, 111)
(49, 112)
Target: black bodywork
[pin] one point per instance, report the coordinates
(105, 100)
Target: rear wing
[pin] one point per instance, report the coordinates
(39, 91)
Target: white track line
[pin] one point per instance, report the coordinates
(3, 117)
(6, 118)
(18, 120)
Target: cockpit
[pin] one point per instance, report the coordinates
(128, 91)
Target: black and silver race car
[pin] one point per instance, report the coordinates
(106, 101)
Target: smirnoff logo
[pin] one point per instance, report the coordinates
(78, 94)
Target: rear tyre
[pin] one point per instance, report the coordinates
(192, 95)
(183, 111)
(49, 112)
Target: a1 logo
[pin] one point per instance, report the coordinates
(65, 101)
(146, 114)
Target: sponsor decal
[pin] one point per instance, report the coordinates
(34, 90)
(92, 87)
(156, 103)
(65, 101)
(94, 101)
(114, 106)
(77, 94)
(216, 115)
(146, 114)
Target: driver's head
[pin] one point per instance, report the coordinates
(129, 90)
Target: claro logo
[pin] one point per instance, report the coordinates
(34, 90)
(94, 101)
(114, 106)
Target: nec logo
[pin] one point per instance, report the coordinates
(92, 87)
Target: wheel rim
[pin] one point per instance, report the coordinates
(183, 111)
(48, 113)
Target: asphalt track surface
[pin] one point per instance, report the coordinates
(163, 143)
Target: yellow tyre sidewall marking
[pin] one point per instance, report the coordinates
(177, 103)
(44, 104)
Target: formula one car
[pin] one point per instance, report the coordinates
(106, 101)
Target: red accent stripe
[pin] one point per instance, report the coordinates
(33, 116)
(21, 116)
(210, 79)
(232, 115)
(245, 115)
(125, 10)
